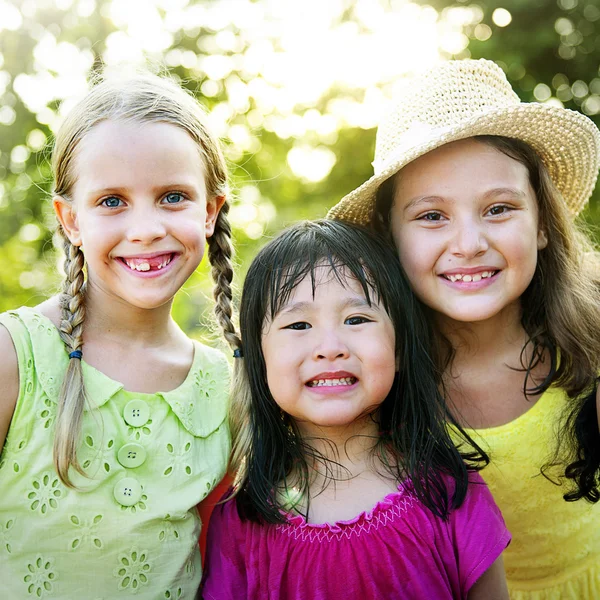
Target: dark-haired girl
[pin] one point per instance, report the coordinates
(348, 485)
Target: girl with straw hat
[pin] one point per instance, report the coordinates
(478, 192)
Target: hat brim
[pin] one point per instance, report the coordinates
(567, 142)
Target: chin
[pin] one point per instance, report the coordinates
(149, 304)
(475, 315)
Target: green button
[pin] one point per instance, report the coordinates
(128, 491)
(131, 455)
(136, 413)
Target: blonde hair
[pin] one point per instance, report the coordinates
(140, 98)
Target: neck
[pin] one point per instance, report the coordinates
(119, 321)
(349, 447)
(500, 335)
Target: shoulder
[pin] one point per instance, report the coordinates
(225, 512)
(479, 513)
(9, 376)
(9, 368)
(13, 334)
(226, 530)
(478, 506)
(212, 372)
(479, 533)
(479, 495)
(51, 310)
(208, 358)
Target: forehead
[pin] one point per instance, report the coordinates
(324, 283)
(115, 152)
(469, 166)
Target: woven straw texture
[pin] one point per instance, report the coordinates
(462, 99)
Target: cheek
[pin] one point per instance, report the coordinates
(279, 365)
(520, 246)
(382, 352)
(193, 230)
(413, 254)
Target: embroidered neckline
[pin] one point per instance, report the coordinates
(392, 506)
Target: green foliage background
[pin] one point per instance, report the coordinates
(556, 43)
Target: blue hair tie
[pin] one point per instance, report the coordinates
(237, 353)
(76, 354)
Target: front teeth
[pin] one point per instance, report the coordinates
(469, 278)
(144, 266)
(331, 382)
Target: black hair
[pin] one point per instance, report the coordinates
(413, 419)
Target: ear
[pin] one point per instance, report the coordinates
(65, 213)
(213, 206)
(542, 239)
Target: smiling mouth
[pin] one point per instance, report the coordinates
(155, 263)
(468, 278)
(332, 382)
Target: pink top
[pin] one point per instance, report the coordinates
(399, 549)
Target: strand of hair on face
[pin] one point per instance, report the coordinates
(220, 251)
(72, 396)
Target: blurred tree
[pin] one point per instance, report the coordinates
(294, 90)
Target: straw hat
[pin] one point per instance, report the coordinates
(461, 99)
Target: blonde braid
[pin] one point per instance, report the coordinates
(72, 395)
(220, 250)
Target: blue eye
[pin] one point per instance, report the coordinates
(299, 326)
(112, 202)
(174, 198)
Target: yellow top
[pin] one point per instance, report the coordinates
(555, 551)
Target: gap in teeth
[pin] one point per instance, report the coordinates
(145, 266)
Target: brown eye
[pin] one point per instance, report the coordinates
(499, 210)
(432, 216)
(298, 326)
(356, 320)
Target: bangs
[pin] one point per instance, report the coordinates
(303, 254)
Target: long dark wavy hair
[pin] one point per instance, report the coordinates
(561, 316)
(413, 442)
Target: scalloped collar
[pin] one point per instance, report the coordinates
(200, 402)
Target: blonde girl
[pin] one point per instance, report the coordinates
(111, 418)
(478, 192)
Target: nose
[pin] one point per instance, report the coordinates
(145, 225)
(331, 346)
(469, 239)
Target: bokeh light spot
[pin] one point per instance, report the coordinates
(501, 17)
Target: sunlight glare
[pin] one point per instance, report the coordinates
(311, 164)
(10, 17)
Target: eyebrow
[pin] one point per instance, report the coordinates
(425, 200)
(352, 302)
(159, 189)
(415, 202)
